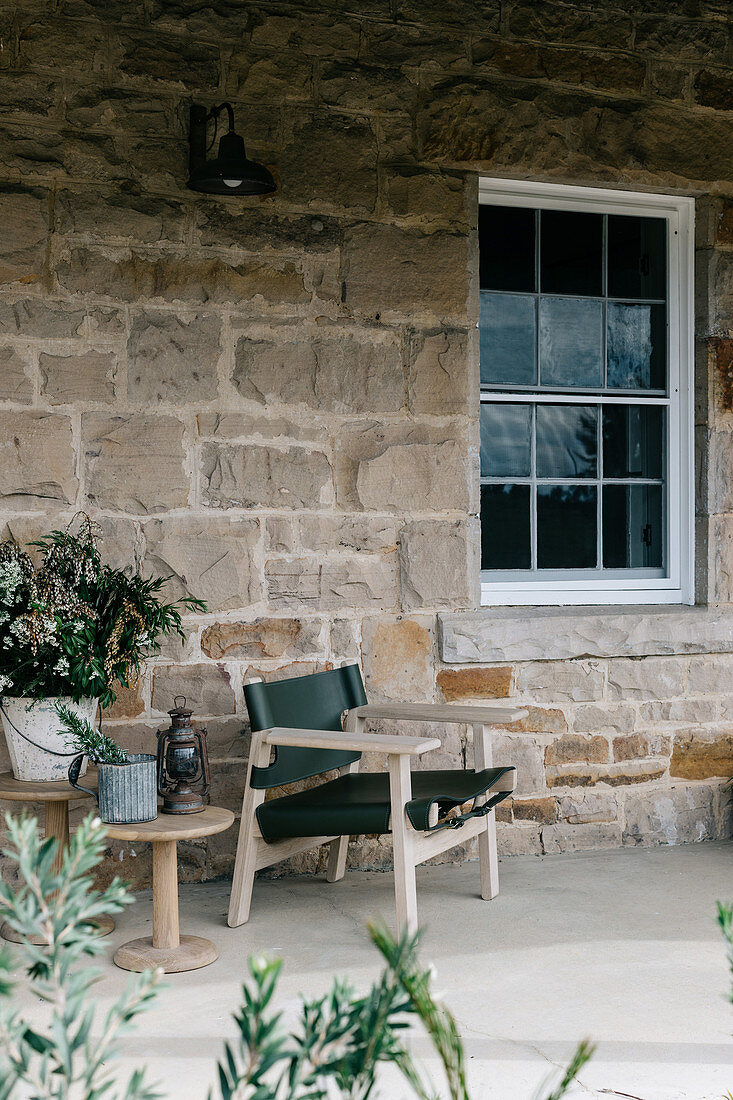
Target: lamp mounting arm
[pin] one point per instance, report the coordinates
(198, 118)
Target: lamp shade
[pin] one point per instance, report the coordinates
(231, 172)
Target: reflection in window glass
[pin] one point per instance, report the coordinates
(567, 441)
(633, 441)
(566, 527)
(637, 257)
(505, 527)
(507, 338)
(633, 535)
(506, 248)
(506, 444)
(636, 346)
(571, 343)
(571, 253)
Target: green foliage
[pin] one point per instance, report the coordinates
(88, 740)
(63, 1058)
(76, 626)
(583, 1054)
(725, 920)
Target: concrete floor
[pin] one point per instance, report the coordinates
(620, 947)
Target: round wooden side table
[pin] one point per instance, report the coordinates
(167, 948)
(56, 797)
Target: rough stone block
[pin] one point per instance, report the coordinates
(615, 775)
(702, 754)
(398, 659)
(587, 806)
(206, 687)
(172, 359)
(252, 476)
(122, 214)
(390, 270)
(439, 381)
(36, 460)
(81, 376)
(679, 815)
(132, 276)
(334, 156)
(580, 838)
(561, 681)
(212, 559)
(331, 372)
(134, 463)
(128, 704)
(544, 22)
(439, 564)
(654, 678)
(541, 810)
(25, 235)
(15, 377)
(332, 583)
(711, 675)
(518, 840)
(324, 533)
(417, 193)
(637, 746)
(289, 638)
(604, 718)
(389, 468)
(346, 640)
(540, 720)
(457, 684)
(572, 749)
(226, 225)
(40, 319)
(679, 710)
(246, 426)
(526, 755)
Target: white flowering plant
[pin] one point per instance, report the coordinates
(75, 626)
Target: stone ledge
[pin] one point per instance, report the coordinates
(552, 633)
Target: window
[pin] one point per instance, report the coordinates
(585, 349)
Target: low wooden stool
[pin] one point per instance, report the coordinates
(56, 797)
(166, 948)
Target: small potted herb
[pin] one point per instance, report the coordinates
(71, 630)
(128, 789)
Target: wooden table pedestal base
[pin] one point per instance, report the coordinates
(189, 953)
(104, 926)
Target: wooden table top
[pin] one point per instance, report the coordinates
(15, 790)
(214, 819)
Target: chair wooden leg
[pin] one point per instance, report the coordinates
(487, 853)
(400, 786)
(338, 849)
(245, 864)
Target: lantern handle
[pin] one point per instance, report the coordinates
(182, 704)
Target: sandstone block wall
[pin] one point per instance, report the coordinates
(275, 401)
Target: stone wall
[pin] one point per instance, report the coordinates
(275, 401)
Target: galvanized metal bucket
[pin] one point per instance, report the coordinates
(128, 793)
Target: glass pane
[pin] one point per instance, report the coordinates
(633, 535)
(571, 343)
(637, 257)
(567, 441)
(505, 440)
(637, 346)
(505, 530)
(506, 237)
(633, 441)
(566, 527)
(507, 335)
(571, 253)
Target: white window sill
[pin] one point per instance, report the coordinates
(531, 633)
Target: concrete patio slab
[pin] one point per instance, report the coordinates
(620, 947)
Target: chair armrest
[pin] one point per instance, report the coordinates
(441, 712)
(357, 742)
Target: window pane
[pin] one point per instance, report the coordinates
(637, 345)
(571, 343)
(505, 440)
(571, 251)
(506, 242)
(637, 257)
(567, 441)
(633, 535)
(566, 527)
(633, 441)
(507, 335)
(505, 527)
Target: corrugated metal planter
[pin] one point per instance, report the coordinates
(128, 793)
(36, 736)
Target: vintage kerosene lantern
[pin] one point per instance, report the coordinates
(183, 763)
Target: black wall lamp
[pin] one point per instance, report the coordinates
(230, 172)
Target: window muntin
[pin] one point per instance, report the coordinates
(575, 472)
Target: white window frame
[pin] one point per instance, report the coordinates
(678, 585)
